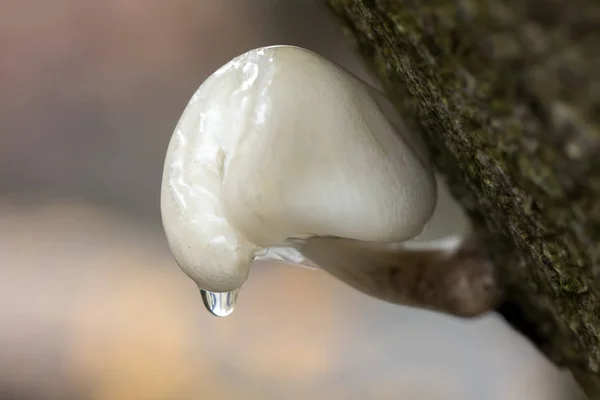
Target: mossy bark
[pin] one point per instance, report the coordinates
(507, 95)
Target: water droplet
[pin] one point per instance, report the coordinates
(219, 304)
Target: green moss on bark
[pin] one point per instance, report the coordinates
(507, 95)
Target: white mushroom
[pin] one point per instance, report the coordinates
(282, 154)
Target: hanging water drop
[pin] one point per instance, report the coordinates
(219, 304)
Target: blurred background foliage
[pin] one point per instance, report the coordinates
(92, 305)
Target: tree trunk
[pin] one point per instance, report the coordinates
(507, 96)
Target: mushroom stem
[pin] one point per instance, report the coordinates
(459, 282)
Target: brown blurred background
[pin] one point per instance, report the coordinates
(91, 304)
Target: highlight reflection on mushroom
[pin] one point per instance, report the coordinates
(282, 154)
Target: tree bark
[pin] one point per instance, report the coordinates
(507, 96)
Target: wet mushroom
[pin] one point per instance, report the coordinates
(282, 154)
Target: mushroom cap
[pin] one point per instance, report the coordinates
(281, 143)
